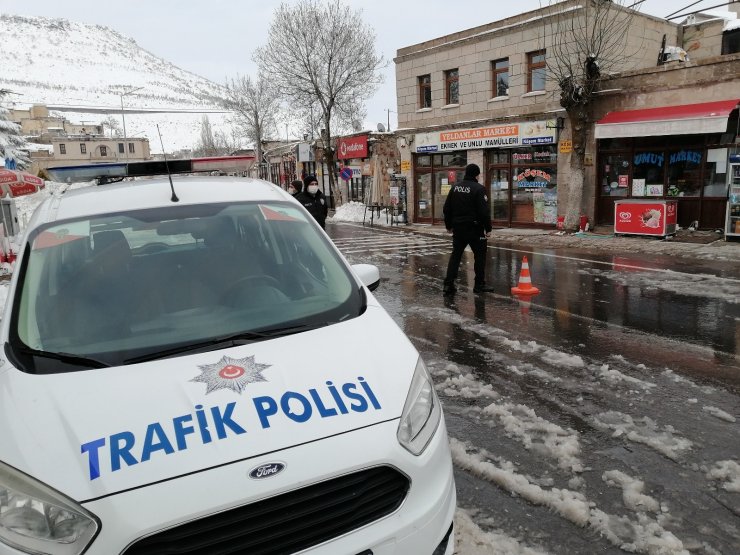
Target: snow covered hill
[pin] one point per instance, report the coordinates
(60, 62)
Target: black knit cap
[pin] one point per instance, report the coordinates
(472, 171)
(309, 179)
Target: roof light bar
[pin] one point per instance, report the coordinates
(109, 172)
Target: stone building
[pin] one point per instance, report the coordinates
(485, 95)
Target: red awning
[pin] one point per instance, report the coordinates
(687, 119)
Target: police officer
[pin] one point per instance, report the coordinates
(467, 217)
(314, 200)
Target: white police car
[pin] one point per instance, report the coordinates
(196, 369)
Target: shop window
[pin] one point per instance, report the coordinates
(62, 148)
(684, 173)
(423, 161)
(536, 70)
(615, 175)
(534, 195)
(455, 159)
(715, 173)
(496, 156)
(500, 81)
(731, 42)
(546, 154)
(615, 144)
(425, 91)
(648, 168)
(452, 86)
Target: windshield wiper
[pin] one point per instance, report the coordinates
(68, 358)
(234, 340)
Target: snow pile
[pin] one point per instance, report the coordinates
(644, 430)
(471, 540)
(729, 471)
(631, 491)
(354, 211)
(719, 413)
(643, 535)
(538, 434)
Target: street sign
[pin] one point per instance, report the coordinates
(346, 173)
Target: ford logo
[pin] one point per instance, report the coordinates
(267, 470)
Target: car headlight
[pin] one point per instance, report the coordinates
(36, 519)
(421, 412)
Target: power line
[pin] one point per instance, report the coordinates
(702, 10)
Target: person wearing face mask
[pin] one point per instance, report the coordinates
(296, 187)
(314, 200)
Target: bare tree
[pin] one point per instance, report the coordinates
(111, 123)
(587, 42)
(255, 106)
(320, 60)
(13, 146)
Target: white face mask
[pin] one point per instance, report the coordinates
(291, 190)
(313, 189)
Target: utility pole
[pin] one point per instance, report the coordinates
(123, 117)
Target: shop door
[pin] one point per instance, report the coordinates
(424, 197)
(434, 177)
(500, 196)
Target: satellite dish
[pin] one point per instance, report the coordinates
(381, 128)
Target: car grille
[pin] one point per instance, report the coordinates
(289, 522)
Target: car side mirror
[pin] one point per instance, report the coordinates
(369, 275)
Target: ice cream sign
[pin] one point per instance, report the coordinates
(496, 136)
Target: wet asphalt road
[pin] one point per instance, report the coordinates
(600, 417)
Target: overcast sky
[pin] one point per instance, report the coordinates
(216, 38)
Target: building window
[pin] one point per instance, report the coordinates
(452, 86)
(536, 69)
(500, 77)
(131, 147)
(731, 42)
(425, 91)
(83, 148)
(62, 148)
(120, 148)
(103, 150)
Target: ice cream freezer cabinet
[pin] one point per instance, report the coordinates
(645, 217)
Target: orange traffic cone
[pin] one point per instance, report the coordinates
(525, 286)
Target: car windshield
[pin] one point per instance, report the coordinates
(134, 286)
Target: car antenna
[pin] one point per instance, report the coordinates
(166, 165)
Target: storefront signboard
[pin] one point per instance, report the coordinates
(645, 217)
(497, 136)
(352, 147)
(305, 152)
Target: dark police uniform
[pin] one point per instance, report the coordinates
(466, 214)
(315, 204)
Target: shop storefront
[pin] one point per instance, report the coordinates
(520, 171)
(677, 153)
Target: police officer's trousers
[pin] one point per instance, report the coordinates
(462, 236)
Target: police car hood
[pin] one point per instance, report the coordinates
(98, 432)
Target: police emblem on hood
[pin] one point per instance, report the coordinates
(231, 373)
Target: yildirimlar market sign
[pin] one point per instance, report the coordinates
(530, 133)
